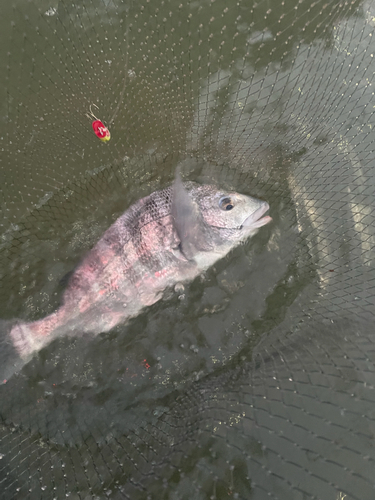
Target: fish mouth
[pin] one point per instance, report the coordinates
(256, 219)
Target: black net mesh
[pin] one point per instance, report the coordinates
(258, 381)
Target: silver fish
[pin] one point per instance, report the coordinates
(166, 238)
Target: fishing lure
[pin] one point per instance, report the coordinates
(101, 131)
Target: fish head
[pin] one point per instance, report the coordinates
(232, 215)
(210, 222)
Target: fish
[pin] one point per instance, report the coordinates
(167, 238)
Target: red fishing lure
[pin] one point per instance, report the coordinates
(101, 131)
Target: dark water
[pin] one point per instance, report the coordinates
(256, 381)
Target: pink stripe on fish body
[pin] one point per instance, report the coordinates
(118, 266)
(161, 273)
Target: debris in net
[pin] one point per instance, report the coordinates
(179, 288)
(51, 11)
(145, 364)
(101, 131)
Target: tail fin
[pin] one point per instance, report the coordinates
(10, 360)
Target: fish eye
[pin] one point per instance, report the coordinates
(226, 203)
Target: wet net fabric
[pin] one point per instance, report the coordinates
(257, 380)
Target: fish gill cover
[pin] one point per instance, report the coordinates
(256, 380)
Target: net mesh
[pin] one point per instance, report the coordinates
(258, 381)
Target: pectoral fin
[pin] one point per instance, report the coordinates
(189, 224)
